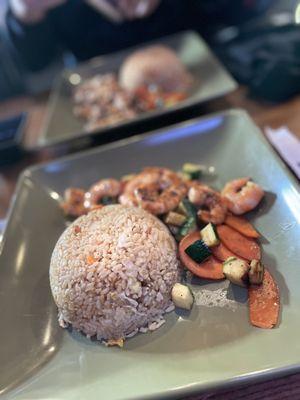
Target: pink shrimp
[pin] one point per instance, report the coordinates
(212, 208)
(157, 190)
(73, 204)
(242, 195)
(103, 188)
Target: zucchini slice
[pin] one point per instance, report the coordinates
(187, 208)
(209, 235)
(184, 176)
(256, 272)
(236, 271)
(174, 218)
(198, 251)
(193, 170)
(189, 226)
(182, 296)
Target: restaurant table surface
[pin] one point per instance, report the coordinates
(264, 114)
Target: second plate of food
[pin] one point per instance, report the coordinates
(134, 85)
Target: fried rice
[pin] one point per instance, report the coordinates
(112, 272)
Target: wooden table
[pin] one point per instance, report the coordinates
(264, 114)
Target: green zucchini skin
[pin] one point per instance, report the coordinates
(198, 251)
(194, 171)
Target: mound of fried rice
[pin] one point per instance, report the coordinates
(112, 272)
(155, 65)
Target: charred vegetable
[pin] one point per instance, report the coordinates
(198, 251)
(194, 171)
(256, 272)
(174, 218)
(187, 208)
(189, 211)
(236, 271)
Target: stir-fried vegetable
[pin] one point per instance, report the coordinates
(209, 235)
(236, 271)
(182, 296)
(264, 302)
(187, 208)
(188, 227)
(211, 268)
(194, 171)
(221, 252)
(198, 251)
(256, 272)
(240, 245)
(174, 218)
(241, 225)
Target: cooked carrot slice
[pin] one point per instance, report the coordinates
(240, 245)
(222, 253)
(264, 303)
(211, 268)
(241, 225)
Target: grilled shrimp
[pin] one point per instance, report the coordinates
(242, 195)
(103, 188)
(157, 190)
(73, 204)
(212, 208)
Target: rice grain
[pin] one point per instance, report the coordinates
(112, 272)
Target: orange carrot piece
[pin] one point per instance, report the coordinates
(211, 268)
(240, 245)
(264, 303)
(90, 260)
(222, 253)
(241, 225)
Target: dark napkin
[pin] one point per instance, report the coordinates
(267, 61)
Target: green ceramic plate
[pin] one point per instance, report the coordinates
(211, 80)
(212, 347)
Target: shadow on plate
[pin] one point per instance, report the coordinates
(205, 326)
(264, 206)
(198, 332)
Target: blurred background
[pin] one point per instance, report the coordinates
(229, 26)
(258, 41)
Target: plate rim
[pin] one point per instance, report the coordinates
(196, 387)
(220, 385)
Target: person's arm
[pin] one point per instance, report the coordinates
(34, 40)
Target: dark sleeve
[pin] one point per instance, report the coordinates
(34, 45)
